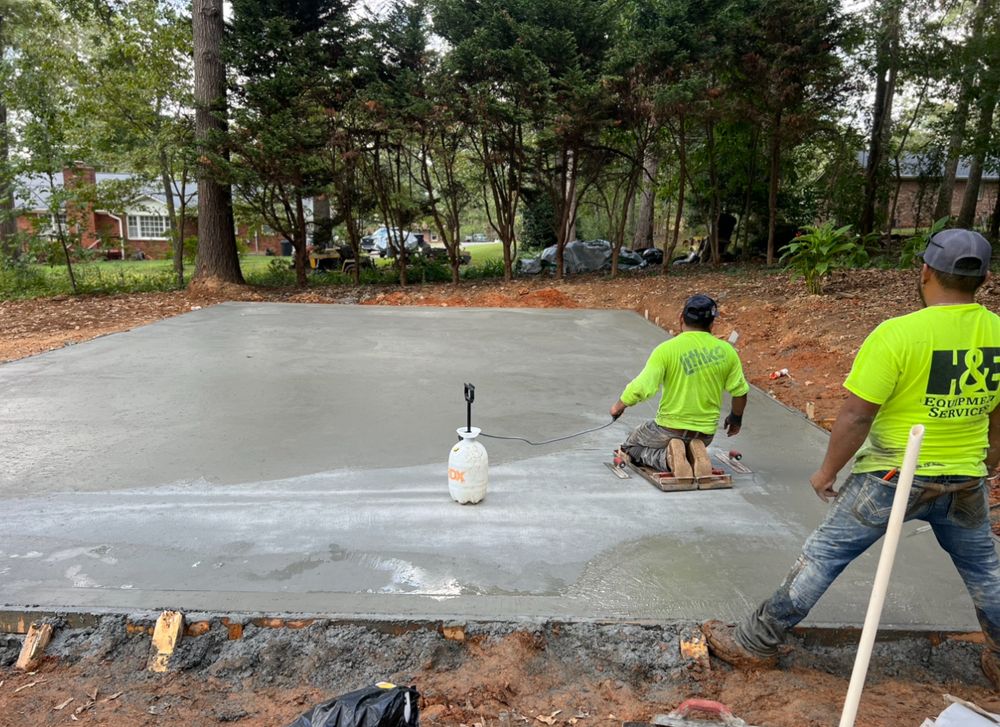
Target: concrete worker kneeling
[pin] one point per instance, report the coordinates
(693, 369)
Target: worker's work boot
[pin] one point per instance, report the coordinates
(677, 459)
(702, 462)
(723, 645)
(991, 668)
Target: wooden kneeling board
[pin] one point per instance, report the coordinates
(666, 481)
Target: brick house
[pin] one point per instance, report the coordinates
(143, 225)
(918, 192)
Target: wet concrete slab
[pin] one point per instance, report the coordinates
(292, 458)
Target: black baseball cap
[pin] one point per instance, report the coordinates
(700, 310)
(958, 252)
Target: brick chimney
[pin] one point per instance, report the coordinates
(81, 220)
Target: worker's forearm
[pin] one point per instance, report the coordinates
(849, 432)
(739, 405)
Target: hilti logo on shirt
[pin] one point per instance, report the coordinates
(700, 358)
(976, 370)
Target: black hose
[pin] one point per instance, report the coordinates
(550, 441)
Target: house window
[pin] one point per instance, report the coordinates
(50, 228)
(148, 227)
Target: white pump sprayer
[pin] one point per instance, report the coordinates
(468, 464)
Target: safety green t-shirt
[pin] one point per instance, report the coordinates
(939, 367)
(693, 368)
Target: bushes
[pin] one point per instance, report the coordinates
(917, 243)
(486, 269)
(21, 279)
(279, 274)
(819, 251)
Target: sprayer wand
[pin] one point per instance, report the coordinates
(470, 395)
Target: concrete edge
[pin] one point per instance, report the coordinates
(17, 621)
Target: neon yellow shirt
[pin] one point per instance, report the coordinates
(939, 367)
(693, 369)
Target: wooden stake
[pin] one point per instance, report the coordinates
(168, 631)
(33, 648)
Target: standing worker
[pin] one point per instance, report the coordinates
(939, 367)
(693, 369)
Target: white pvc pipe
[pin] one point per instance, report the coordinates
(882, 573)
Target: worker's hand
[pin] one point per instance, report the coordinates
(823, 484)
(733, 424)
(617, 409)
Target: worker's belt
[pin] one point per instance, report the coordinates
(931, 488)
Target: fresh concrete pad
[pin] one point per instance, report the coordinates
(277, 457)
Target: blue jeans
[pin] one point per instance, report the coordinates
(858, 518)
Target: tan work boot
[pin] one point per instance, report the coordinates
(677, 459)
(702, 462)
(722, 643)
(991, 668)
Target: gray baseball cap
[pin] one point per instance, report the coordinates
(948, 248)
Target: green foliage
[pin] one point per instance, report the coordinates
(537, 222)
(818, 252)
(279, 274)
(484, 270)
(190, 249)
(31, 280)
(917, 243)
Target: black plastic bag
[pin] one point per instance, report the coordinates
(382, 705)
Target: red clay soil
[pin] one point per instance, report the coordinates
(500, 684)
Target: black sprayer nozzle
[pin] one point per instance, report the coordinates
(470, 396)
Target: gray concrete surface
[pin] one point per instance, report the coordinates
(267, 457)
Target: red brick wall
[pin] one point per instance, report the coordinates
(915, 198)
(258, 244)
(81, 220)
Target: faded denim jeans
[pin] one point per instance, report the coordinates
(858, 518)
(647, 443)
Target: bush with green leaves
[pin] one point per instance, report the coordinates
(819, 251)
(484, 270)
(917, 243)
(279, 274)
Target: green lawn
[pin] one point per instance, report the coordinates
(135, 276)
(484, 252)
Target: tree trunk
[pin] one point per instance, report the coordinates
(181, 224)
(715, 202)
(217, 255)
(745, 215)
(984, 128)
(322, 231)
(566, 208)
(898, 163)
(967, 75)
(995, 219)
(176, 236)
(644, 225)
(682, 175)
(886, 64)
(301, 256)
(772, 187)
(8, 224)
(947, 188)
